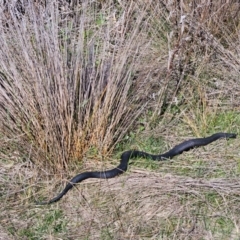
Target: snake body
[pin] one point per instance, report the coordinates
(122, 167)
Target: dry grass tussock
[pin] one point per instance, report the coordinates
(66, 77)
(75, 78)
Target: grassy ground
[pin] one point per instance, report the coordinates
(193, 196)
(81, 83)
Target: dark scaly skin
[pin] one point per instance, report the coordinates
(122, 167)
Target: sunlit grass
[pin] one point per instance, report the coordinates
(81, 83)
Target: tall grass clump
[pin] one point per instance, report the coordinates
(66, 73)
(76, 76)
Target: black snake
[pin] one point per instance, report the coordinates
(122, 167)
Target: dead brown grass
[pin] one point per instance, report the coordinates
(75, 78)
(194, 196)
(65, 80)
